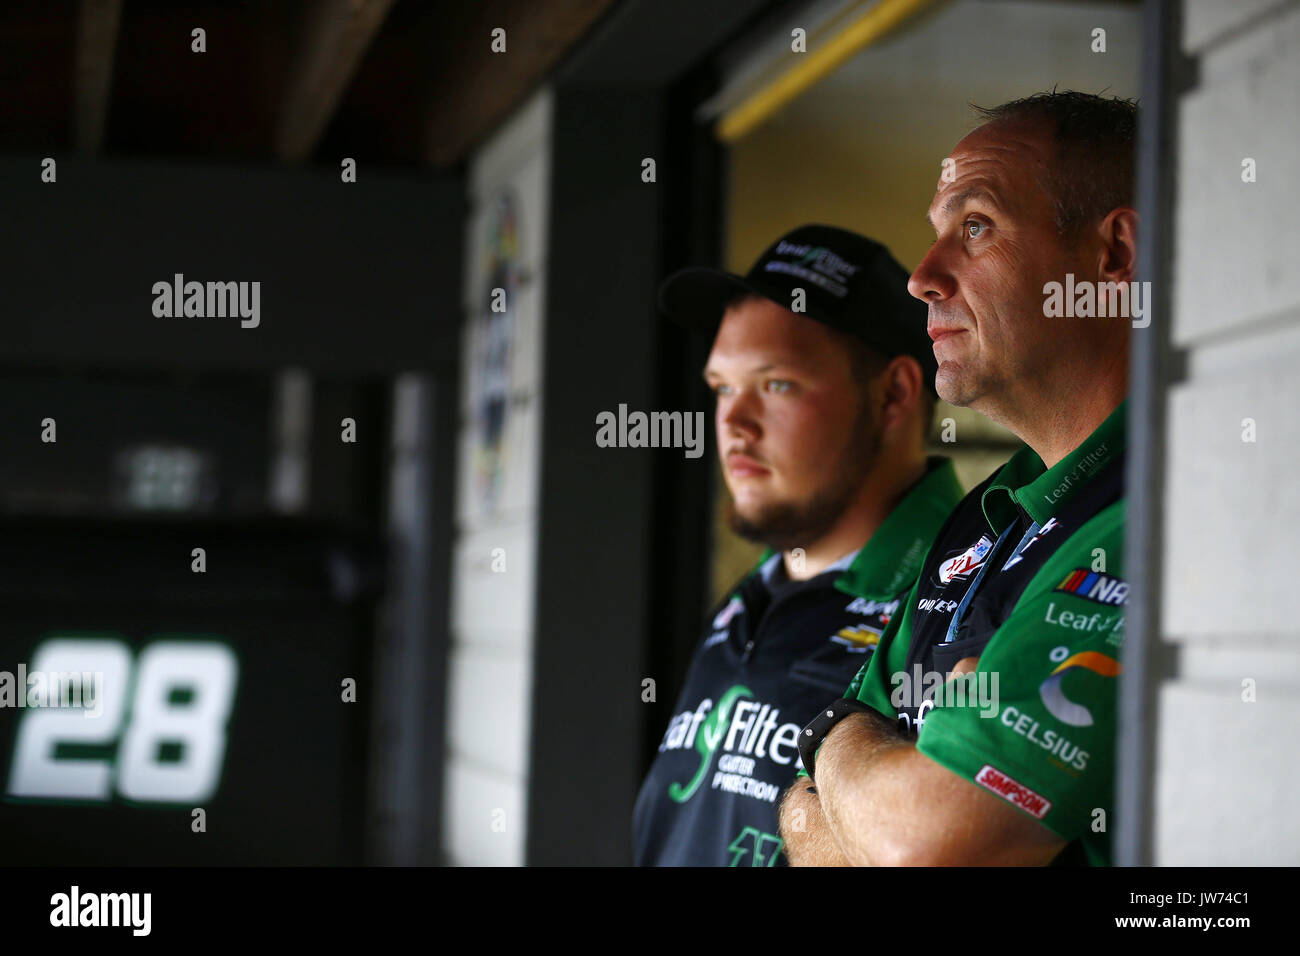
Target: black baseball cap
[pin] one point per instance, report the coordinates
(850, 283)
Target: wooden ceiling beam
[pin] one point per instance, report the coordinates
(335, 38)
(97, 24)
(474, 89)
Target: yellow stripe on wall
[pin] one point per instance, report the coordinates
(815, 65)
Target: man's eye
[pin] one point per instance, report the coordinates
(721, 390)
(778, 385)
(970, 224)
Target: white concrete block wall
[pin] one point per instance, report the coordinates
(1227, 768)
(490, 665)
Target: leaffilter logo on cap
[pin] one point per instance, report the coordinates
(828, 271)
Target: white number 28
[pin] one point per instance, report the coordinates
(192, 721)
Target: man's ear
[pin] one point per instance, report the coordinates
(902, 390)
(1118, 259)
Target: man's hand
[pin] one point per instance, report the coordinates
(966, 665)
(808, 839)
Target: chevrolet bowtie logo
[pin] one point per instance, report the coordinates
(859, 637)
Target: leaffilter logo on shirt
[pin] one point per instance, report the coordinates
(706, 740)
(1060, 706)
(747, 732)
(1094, 586)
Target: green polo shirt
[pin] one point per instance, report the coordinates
(1035, 723)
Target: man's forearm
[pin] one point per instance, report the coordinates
(809, 840)
(887, 804)
(860, 767)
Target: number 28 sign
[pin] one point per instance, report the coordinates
(155, 733)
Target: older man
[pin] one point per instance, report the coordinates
(982, 730)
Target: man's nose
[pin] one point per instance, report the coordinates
(933, 279)
(741, 414)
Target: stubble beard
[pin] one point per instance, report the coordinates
(786, 525)
(958, 381)
(953, 386)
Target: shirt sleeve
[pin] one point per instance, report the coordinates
(1035, 723)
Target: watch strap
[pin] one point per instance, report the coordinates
(812, 736)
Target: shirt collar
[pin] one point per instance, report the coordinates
(1024, 484)
(770, 566)
(844, 563)
(767, 565)
(891, 558)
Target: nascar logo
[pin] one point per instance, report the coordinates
(1094, 586)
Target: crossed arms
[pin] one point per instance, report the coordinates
(881, 802)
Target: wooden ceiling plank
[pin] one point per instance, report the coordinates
(476, 89)
(335, 38)
(97, 25)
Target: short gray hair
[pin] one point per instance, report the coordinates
(1095, 138)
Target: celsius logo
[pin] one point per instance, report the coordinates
(744, 728)
(962, 563)
(1060, 706)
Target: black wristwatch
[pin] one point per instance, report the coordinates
(821, 725)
